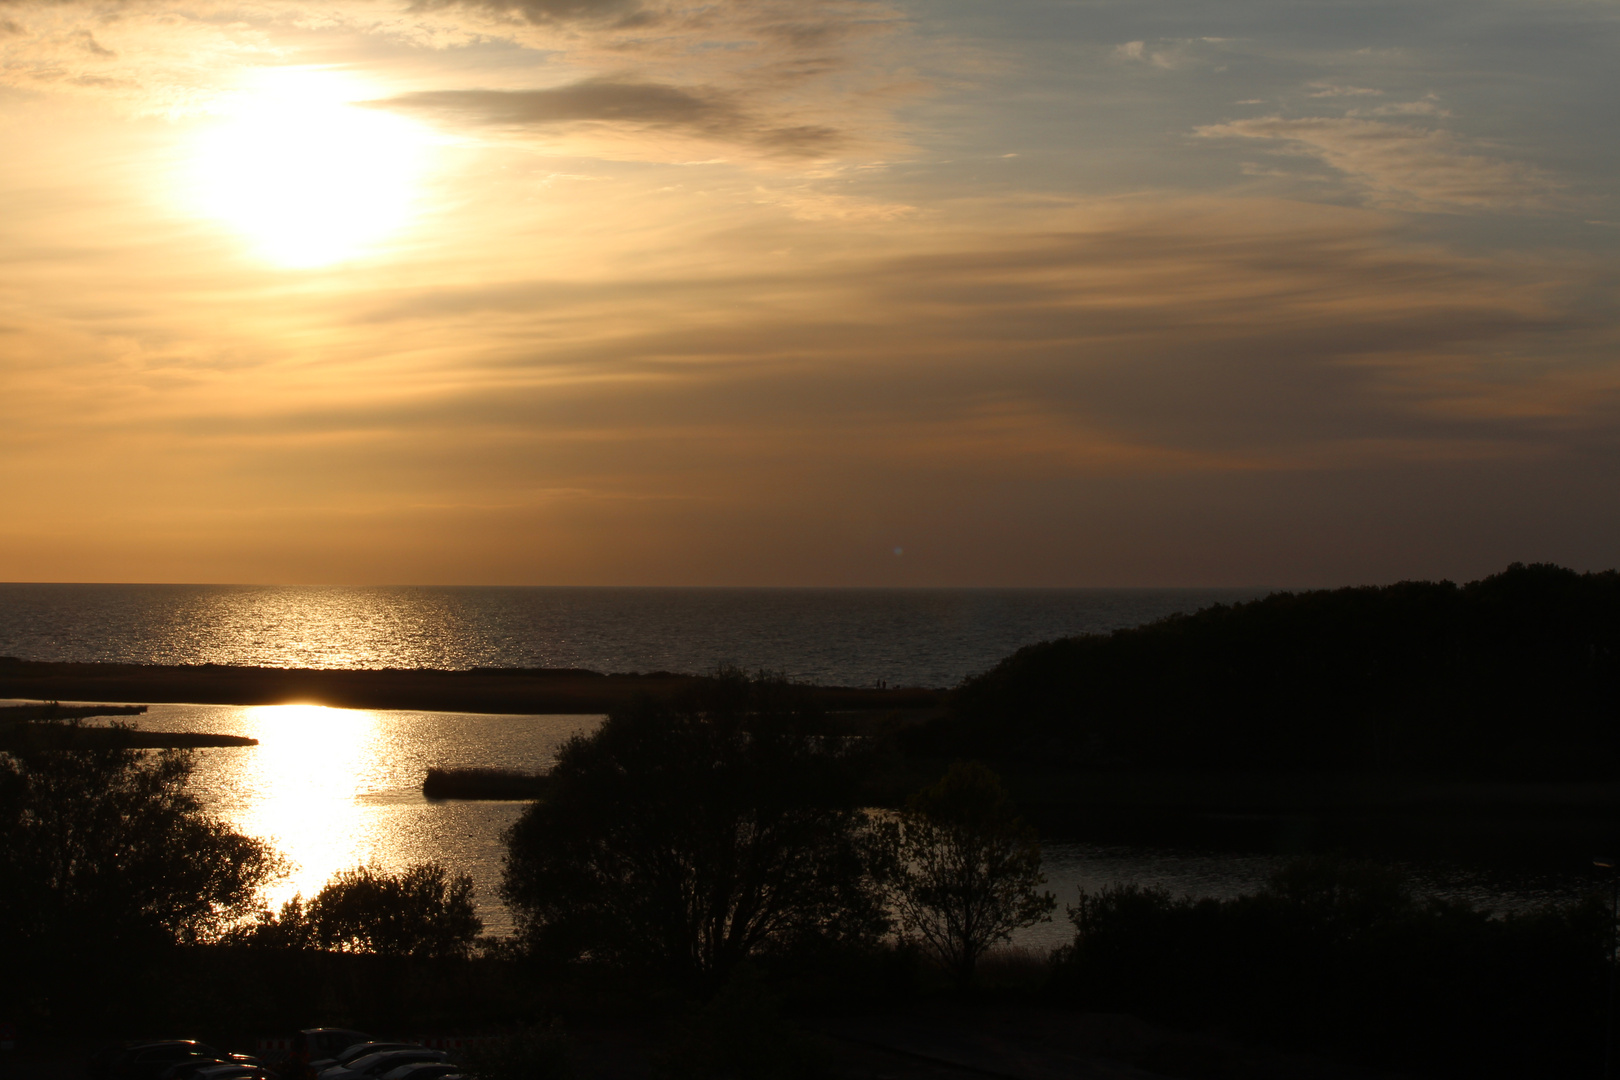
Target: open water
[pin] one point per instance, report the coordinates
(834, 637)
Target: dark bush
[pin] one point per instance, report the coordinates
(962, 870)
(423, 912)
(1340, 958)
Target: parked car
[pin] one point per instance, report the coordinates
(319, 1044)
(422, 1070)
(374, 1065)
(186, 1068)
(355, 1050)
(233, 1071)
(154, 1059)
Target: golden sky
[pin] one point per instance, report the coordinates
(823, 292)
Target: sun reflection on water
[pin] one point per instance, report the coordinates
(333, 788)
(304, 787)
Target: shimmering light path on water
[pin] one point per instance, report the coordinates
(334, 788)
(840, 637)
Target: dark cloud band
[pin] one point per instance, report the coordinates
(707, 113)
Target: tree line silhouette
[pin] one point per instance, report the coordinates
(1513, 676)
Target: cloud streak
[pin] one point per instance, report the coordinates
(702, 111)
(548, 12)
(1403, 166)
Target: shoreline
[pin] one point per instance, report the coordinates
(514, 691)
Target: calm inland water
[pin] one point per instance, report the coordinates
(334, 788)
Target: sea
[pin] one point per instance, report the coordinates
(831, 637)
(331, 789)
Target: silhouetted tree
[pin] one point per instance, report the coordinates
(686, 836)
(963, 869)
(103, 843)
(423, 912)
(106, 857)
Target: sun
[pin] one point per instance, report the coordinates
(305, 175)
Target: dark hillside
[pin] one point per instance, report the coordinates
(1514, 676)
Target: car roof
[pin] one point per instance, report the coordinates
(370, 1046)
(412, 1068)
(362, 1063)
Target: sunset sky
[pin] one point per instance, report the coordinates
(823, 292)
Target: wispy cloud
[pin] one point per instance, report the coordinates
(1163, 55)
(1403, 166)
(655, 313)
(550, 12)
(701, 111)
(772, 79)
(1330, 90)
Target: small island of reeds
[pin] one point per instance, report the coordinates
(482, 784)
(52, 724)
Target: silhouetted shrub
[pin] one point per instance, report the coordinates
(962, 870)
(1341, 958)
(424, 912)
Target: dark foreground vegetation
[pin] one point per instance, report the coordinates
(698, 885)
(698, 880)
(1340, 957)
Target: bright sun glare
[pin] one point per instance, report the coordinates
(305, 175)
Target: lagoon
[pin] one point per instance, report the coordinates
(333, 788)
